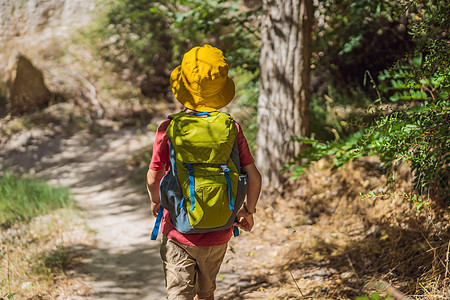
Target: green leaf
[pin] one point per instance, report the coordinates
(419, 206)
(395, 97)
(136, 15)
(377, 12)
(350, 45)
(383, 88)
(417, 61)
(374, 296)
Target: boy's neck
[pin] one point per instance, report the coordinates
(190, 111)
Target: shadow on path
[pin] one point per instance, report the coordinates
(125, 264)
(126, 274)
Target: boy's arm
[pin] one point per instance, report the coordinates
(246, 221)
(153, 180)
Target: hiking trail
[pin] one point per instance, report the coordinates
(124, 264)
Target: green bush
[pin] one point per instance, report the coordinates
(136, 38)
(430, 31)
(149, 38)
(221, 23)
(351, 37)
(409, 120)
(414, 131)
(331, 112)
(21, 199)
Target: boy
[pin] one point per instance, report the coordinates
(191, 262)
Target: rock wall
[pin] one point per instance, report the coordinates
(19, 18)
(28, 26)
(35, 29)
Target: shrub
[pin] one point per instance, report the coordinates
(409, 120)
(148, 38)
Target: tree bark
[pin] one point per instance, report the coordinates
(284, 84)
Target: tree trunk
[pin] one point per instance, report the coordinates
(284, 84)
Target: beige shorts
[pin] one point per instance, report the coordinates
(190, 270)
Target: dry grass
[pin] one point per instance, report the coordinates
(319, 239)
(37, 259)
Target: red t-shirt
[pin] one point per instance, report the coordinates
(160, 158)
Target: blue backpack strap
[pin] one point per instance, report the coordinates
(191, 185)
(236, 230)
(226, 171)
(157, 223)
(198, 114)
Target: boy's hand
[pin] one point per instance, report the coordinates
(153, 180)
(155, 208)
(245, 222)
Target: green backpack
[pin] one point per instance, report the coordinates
(205, 186)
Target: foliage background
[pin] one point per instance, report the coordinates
(399, 52)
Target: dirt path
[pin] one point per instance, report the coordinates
(124, 264)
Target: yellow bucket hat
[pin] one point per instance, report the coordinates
(201, 82)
